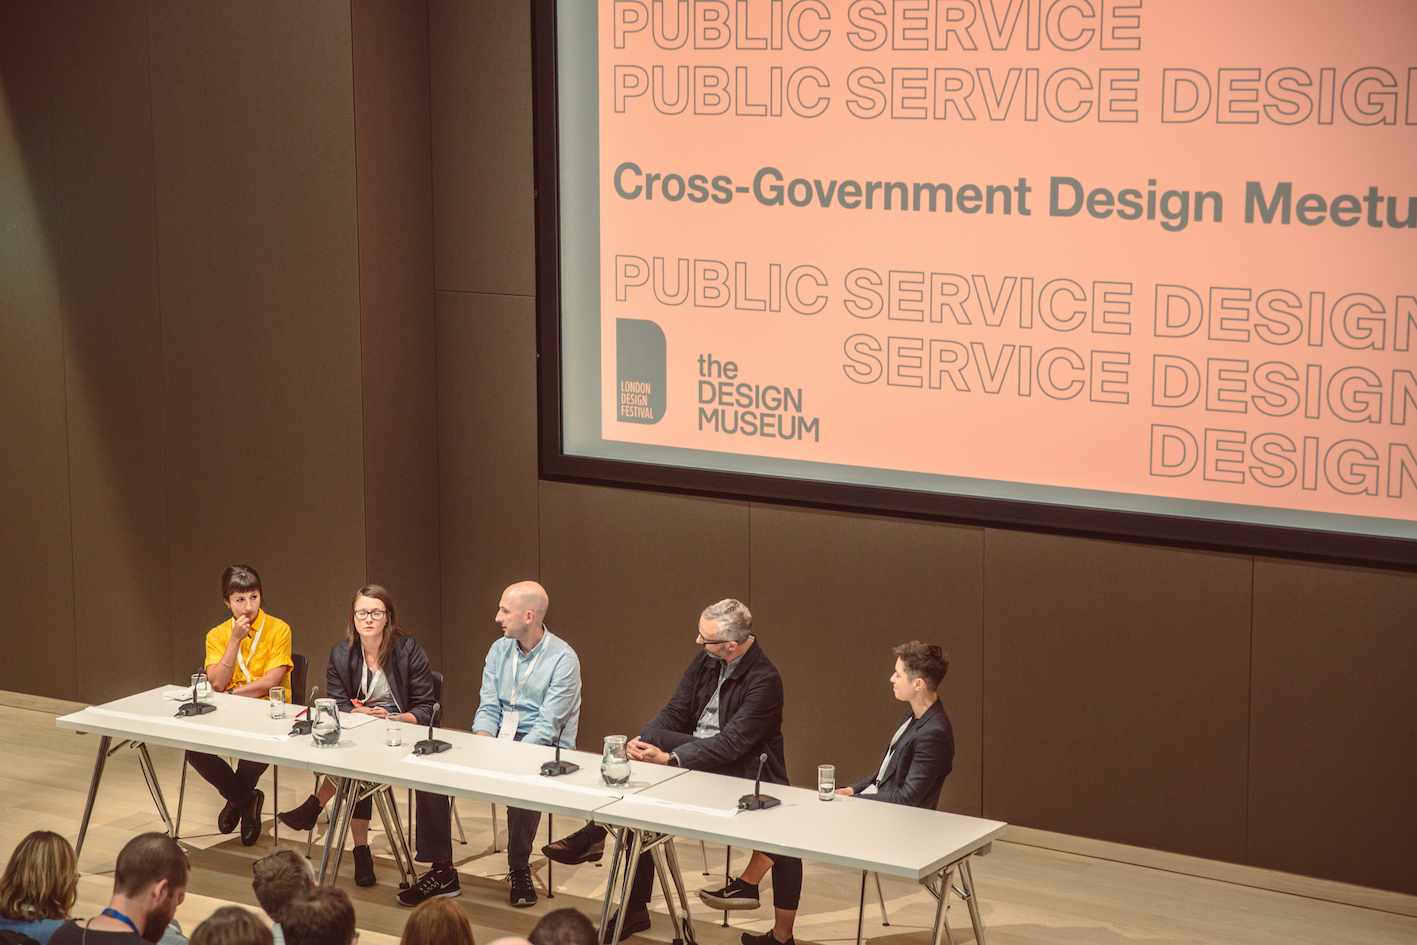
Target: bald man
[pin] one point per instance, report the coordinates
(531, 692)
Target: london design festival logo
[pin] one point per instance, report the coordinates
(640, 370)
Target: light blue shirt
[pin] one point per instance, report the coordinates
(549, 698)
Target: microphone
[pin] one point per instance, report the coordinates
(554, 769)
(431, 745)
(758, 800)
(302, 726)
(188, 709)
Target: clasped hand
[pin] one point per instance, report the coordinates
(641, 750)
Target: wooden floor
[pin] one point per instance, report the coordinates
(1027, 894)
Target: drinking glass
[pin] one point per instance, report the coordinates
(826, 782)
(278, 702)
(393, 730)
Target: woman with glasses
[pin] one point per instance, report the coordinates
(379, 670)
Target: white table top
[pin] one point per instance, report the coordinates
(848, 831)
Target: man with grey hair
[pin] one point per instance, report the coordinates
(725, 715)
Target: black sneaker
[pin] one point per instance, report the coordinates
(523, 891)
(434, 884)
(636, 920)
(251, 818)
(228, 818)
(364, 866)
(767, 938)
(303, 817)
(586, 845)
(736, 895)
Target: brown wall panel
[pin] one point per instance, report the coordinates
(482, 171)
(833, 593)
(107, 234)
(398, 331)
(36, 550)
(487, 473)
(628, 574)
(1333, 756)
(1116, 691)
(254, 153)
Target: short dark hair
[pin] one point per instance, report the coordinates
(563, 927)
(924, 661)
(323, 916)
(232, 925)
(279, 878)
(146, 860)
(239, 577)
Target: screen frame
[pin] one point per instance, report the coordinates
(556, 465)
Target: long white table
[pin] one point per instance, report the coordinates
(659, 803)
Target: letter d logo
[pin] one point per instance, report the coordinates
(639, 371)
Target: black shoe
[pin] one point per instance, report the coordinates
(736, 895)
(364, 866)
(251, 818)
(303, 817)
(586, 845)
(523, 892)
(767, 938)
(228, 818)
(433, 885)
(636, 920)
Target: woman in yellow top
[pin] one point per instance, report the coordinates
(248, 655)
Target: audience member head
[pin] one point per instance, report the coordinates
(151, 877)
(232, 925)
(734, 619)
(279, 878)
(41, 879)
(924, 661)
(323, 916)
(563, 927)
(438, 921)
(239, 577)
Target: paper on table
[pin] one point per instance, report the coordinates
(179, 695)
(354, 720)
(98, 710)
(608, 793)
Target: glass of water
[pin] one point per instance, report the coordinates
(278, 702)
(826, 782)
(393, 730)
(615, 762)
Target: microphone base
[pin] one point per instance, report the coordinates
(431, 746)
(302, 727)
(757, 802)
(554, 769)
(188, 709)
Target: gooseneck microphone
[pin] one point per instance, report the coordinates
(303, 726)
(194, 707)
(758, 800)
(556, 768)
(431, 745)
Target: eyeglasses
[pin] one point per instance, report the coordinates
(702, 642)
(366, 614)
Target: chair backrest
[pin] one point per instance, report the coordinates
(438, 697)
(299, 669)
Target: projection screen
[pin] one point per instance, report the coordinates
(1135, 268)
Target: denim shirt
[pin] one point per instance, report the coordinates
(550, 697)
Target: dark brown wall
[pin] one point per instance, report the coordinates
(268, 294)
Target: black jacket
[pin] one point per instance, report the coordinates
(749, 717)
(923, 757)
(410, 679)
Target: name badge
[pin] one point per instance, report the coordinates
(509, 724)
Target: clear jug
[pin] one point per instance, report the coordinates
(325, 719)
(615, 762)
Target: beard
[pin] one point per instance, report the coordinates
(156, 923)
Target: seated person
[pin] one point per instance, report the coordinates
(563, 927)
(248, 655)
(726, 713)
(323, 916)
(231, 925)
(149, 883)
(379, 670)
(438, 922)
(919, 757)
(39, 886)
(277, 879)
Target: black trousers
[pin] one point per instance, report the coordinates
(786, 870)
(433, 825)
(234, 785)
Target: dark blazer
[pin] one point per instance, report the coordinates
(749, 717)
(410, 679)
(923, 757)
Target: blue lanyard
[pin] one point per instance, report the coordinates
(115, 914)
